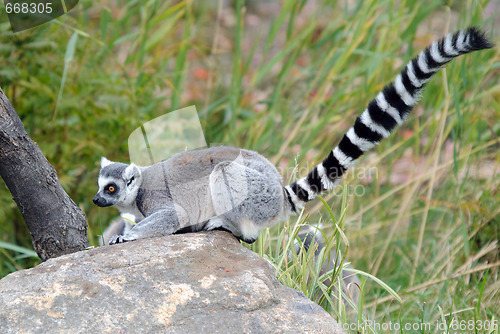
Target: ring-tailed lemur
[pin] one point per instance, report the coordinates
(240, 190)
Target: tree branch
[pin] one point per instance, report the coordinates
(56, 224)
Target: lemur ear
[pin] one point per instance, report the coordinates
(131, 173)
(105, 162)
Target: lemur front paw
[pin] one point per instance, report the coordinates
(118, 239)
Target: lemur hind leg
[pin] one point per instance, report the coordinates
(245, 200)
(163, 222)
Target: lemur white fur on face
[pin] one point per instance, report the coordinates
(240, 190)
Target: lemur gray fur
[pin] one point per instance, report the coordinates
(241, 191)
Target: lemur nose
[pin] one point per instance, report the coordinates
(96, 199)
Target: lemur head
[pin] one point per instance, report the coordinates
(118, 184)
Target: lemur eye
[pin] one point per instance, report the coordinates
(111, 188)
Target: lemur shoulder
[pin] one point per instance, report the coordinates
(241, 191)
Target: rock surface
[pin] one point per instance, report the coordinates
(192, 283)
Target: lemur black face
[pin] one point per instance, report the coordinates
(111, 189)
(101, 201)
(108, 196)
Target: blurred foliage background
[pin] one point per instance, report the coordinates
(287, 79)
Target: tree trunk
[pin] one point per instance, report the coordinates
(56, 224)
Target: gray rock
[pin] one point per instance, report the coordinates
(192, 283)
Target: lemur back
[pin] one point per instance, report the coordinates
(240, 190)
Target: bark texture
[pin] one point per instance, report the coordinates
(56, 224)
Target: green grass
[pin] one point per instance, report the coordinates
(287, 82)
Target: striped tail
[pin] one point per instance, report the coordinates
(390, 108)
